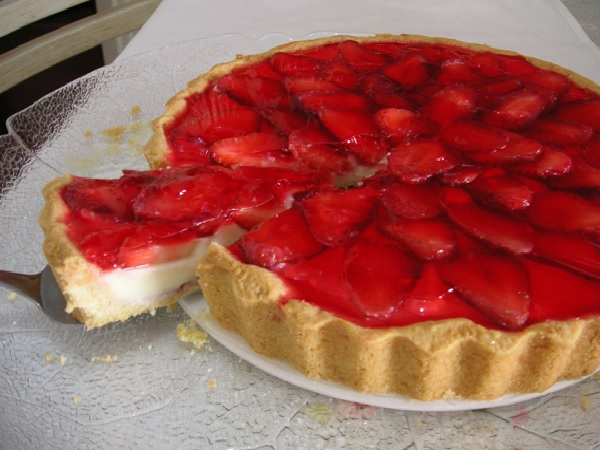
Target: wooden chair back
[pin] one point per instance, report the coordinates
(43, 52)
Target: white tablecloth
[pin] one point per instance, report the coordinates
(540, 28)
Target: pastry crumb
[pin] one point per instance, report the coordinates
(320, 412)
(11, 295)
(105, 358)
(88, 134)
(63, 360)
(585, 403)
(597, 375)
(115, 133)
(188, 332)
(77, 398)
(149, 346)
(211, 384)
(49, 357)
(171, 308)
(135, 110)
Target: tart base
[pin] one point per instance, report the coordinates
(433, 360)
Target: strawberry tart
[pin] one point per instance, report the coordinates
(400, 214)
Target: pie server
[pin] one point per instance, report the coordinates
(42, 289)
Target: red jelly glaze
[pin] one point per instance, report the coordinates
(119, 223)
(503, 132)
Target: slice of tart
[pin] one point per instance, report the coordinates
(119, 248)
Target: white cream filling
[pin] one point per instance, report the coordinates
(148, 284)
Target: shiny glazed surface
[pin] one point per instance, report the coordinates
(481, 179)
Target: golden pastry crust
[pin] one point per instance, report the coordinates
(427, 361)
(157, 148)
(88, 298)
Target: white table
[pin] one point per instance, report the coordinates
(135, 385)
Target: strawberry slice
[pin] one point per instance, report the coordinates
(505, 190)
(496, 229)
(335, 217)
(412, 201)
(105, 198)
(255, 203)
(486, 64)
(496, 284)
(574, 253)
(211, 102)
(492, 89)
(307, 275)
(433, 298)
(584, 112)
(369, 149)
(395, 121)
(516, 150)
(93, 241)
(579, 175)
(552, 82)
(429, 292)
(557, 133)
(451, 103)
(254, 149)
(460, 175)
(590, 152)
(346, 124)
(313, 101)
(419, 160)
(315, 147)
(410, 72)
(516, 64)
(401, 125)
(284, 183)
(261, 92)
(379, 276)
(198, 194)
(471, 136)
(428, 239)
(188, 151)
(563, 211)
(282, 239)
(456, 70)
(357, 130)
(219, 124)
(340, 73)
(155, 244)
(263, 69)
(296, 85)
(383, 91)
(516, 110)
(361, 58)
(551, 163)
(290, 65)
(285, 120)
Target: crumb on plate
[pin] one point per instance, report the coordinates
(188, 332)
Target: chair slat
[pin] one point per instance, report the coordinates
(15, 14)
(41, 53)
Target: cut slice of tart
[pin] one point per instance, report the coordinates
(119, 248)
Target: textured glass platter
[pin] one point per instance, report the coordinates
(135, 384)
